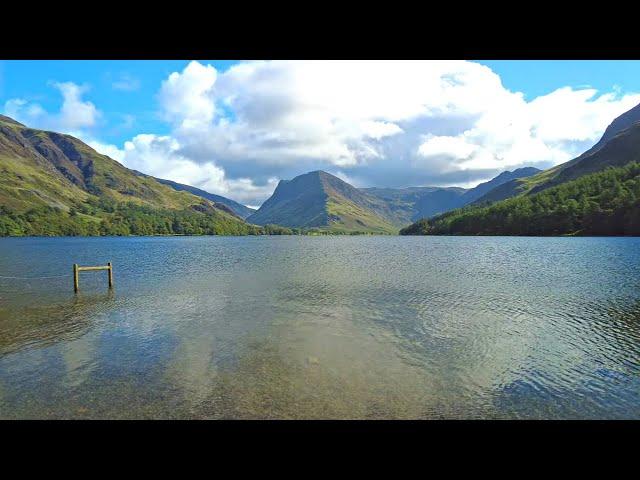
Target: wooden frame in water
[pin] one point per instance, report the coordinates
(77, 269)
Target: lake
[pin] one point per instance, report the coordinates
(363, 327)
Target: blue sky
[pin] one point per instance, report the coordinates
(31, 80)
(540, 77)
(237, 130)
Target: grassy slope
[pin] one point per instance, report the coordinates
(347, 217)
(619, 148)
(351, 210)
(304, 211)
(402, 208)
(40, 169)
(26, 178)
(401, 201)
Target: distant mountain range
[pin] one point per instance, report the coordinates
(319, 200)
(413, 203)
(236, 208)
(54, 184)
(409, 204)
(596, 193)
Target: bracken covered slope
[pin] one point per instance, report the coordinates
(54, 184)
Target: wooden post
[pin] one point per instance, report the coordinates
(110, 275)
(75, 278)
(77, 269)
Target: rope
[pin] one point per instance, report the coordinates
(34, 278)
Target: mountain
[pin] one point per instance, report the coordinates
(482, 189)
(413, 203)
(439, 201)
(10, 121)
(619, 150)
(322, 201)
(54, 184)
(619, 124)
(408, 204)
(236, 208)
(602, 203)
(597, 193)
(592, 160)
(319, 200)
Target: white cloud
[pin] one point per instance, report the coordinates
(17, 108)
(186, 97)
(75, 114)
(394, 123)
(577, 115)
(453, 148)
(160, 157)
(378, 130)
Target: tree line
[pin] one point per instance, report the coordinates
(102, 217)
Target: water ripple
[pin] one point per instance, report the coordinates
(323, 327)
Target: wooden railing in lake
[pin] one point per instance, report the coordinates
(77, 269)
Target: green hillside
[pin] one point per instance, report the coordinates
(322, 202)
(619, 150)
(596, 193)
(618, 146)
(54, 184)
(602, 203)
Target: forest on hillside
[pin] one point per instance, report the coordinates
(98, 217)
(603, 203)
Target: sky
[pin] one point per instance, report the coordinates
(235, 128)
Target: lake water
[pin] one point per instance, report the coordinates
(321, 327)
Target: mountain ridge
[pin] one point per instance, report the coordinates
(504, 177)
(555, 175)
(55, 184)
(412, 203)
(236, 208)
(596, 193)
(319, 200)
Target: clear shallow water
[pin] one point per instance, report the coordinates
(321, 327)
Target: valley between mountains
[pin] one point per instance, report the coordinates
(53, 184)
